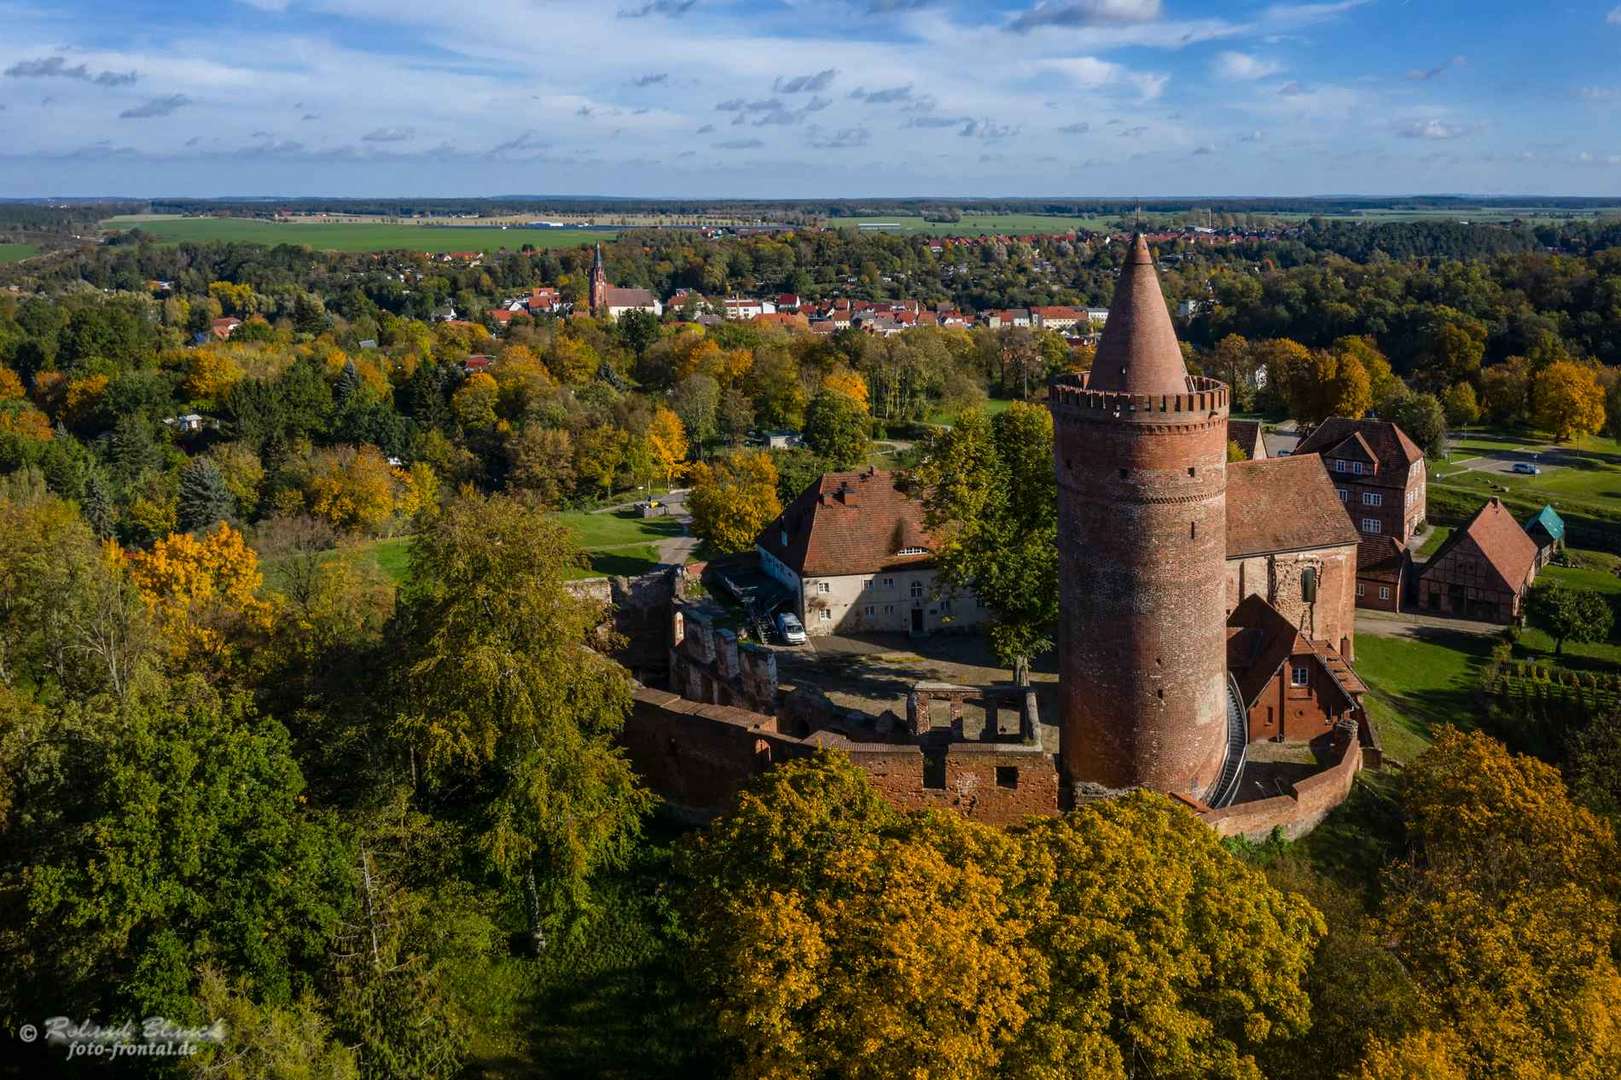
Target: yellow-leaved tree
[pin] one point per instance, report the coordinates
(732, 499)
(841, 937)
(849, 383)
(667, 440)
(352, 488)
(203, 593)
(1568, 400)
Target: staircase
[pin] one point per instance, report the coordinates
(1238, 738)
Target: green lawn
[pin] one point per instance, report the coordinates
(10, 253)
(1419, 683)
(359, 236)
(617, 528)
(991, 407)
(1438, 536)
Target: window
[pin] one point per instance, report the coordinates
(1358, 468)
(1339, 466)
(824, 587)
(872, 610)
(1345, 496)
(1372, 498)
(889, 609)
(1371, 525)
(1299, 675)
(913, 551)
(826, 615)
(1007, 776)
(934, 772)
(1361, 590)
(1384, 592)
(889, 583)
(917, 589)
(945, 607)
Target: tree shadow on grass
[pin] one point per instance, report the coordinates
(632, 563)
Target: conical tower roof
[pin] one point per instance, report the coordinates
(1139, 353)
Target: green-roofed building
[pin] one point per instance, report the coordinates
(1547, 528)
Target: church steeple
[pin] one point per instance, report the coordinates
(599, 283)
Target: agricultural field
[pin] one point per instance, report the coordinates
(10, 253)
(357, 236)
(981, 224)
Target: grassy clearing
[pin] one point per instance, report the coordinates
(1421, 682)
(10, 253)
(617, 528)
(1438, 536)
(357, 236)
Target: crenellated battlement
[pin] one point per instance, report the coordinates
(1069, 394)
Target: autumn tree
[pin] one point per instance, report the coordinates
(203, 592)
(507, 708)
(1505, 913)
(1120, 940)
(990, 501)
(667, 441)
(1568, 401)
(1579, 615)
(352, 487)
(1460, 404)
(541, 463)
(1506, 389)
(732, 499)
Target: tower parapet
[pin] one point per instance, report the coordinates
(1140, 449)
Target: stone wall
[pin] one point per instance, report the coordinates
(698, 756)
(1276, 578)
(638, 612)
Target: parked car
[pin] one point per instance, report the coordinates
(790, 629)
(1527, 468)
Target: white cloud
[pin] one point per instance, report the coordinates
(1614, 17)
(1244, 67)
(1433, 129)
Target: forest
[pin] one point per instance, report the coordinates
(380, 827)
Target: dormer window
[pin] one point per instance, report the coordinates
(912, 551)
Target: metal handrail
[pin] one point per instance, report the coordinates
(1232, 769)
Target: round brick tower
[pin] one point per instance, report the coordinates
(1141, 453)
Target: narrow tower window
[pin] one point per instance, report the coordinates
(1193, 530)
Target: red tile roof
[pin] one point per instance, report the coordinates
(1380, 557)
(1382, 440)
(1284, 504)
(849, 523)
(1139, 353)
(1500, 540)
(1247, 434)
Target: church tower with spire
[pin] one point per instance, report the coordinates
(599, 284)
(1141, 453)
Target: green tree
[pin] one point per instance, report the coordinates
(510, 712)
(836, 429)
(147, 839)
(1424, 421)
(638, 330)
(990, 501)
(1579, 615)
(732, 499)
(204, 497)
(1460, 405)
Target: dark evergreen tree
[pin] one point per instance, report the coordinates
(96, 504)
(204, 498)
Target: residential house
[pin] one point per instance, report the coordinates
(1483, 570)
(853, 552)
(1058, 319)
(743, 308)
(1382, 570)
(1547, 530)
(1295, 688)
(224, 328)
(1378, 471)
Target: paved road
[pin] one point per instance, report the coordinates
(1410, 623)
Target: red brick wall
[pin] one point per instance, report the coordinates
(1142, 562)
(1296, 813)
(1299, 710)
(698, 757)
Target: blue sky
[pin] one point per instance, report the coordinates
(805, 98)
